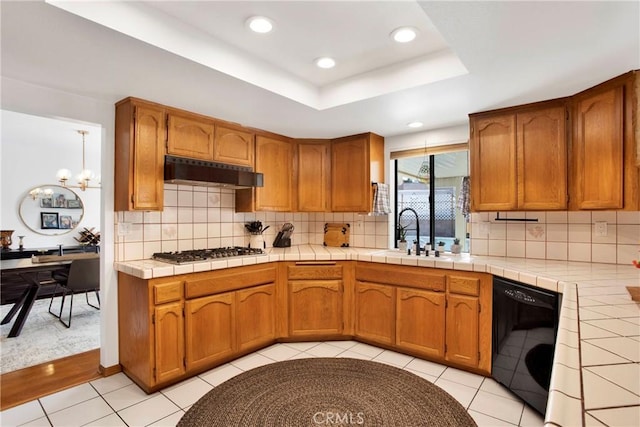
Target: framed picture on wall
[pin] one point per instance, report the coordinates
(73, 204)
(46, 202)
(49, 220)
(59, 201)
(66, 221)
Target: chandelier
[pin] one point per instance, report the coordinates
(39, 193)
(84, 177)
(424, 172)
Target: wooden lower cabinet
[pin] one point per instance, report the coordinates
(315, 299)
(375, 312)
(462, 329)
(468, 321)
(420, 321)
(315, 308)
(168, 327)
(219, 326)
(210, 329)
(255, 317)
(175, 327)
(411, 310)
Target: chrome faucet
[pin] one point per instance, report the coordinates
(417, 227)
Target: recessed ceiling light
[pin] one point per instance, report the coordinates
(415, 124)
(260, 24)
(325, 62)
(404, 34)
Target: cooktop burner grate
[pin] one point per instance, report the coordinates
(198, 255)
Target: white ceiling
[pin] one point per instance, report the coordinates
(469, 57)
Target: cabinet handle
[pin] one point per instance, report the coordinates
(311, 263)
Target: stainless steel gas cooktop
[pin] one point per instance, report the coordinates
(198, 255)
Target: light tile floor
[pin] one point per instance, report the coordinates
(117, 401)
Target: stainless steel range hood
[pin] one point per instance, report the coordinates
(178, 170)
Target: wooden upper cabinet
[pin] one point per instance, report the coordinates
(542, 159)
(274, 159)
(139, 156)
(356, 162)
(493, 163)
(598, 149)
(313, 176)
(233, 145)
(190, 136)
(519, 159)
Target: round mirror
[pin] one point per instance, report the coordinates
(51, 210)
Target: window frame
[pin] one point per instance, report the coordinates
(431, 152)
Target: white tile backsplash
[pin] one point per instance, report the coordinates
(205, 217)
(559, 236)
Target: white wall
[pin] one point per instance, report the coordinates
(36, 100)
(33, 149)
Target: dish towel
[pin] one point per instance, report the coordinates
(381, 199)
(464, 200)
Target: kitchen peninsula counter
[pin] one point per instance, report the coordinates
(596, 363)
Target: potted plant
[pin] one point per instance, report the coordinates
(456, 248)
(440, 246)
(402, 237)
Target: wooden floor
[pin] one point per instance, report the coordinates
(30, 383)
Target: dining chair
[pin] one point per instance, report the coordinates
(83, 277)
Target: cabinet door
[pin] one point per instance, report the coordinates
(493, 163)
(233, 146)
(375, 312)
(139, 156)
(420, 321)
(256, 316)
(313, 176)
(542, 159)
(315, 307)
(169, 341)
(210, 329)
(274, 158)
(190, 136)
(462, 329)
(598, 151)
(350, 180)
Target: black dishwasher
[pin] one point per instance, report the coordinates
(525, 323)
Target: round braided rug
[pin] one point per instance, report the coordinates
(326, 392)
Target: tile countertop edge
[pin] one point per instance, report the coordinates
(565, 405)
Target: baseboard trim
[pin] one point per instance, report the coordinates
(110, 370)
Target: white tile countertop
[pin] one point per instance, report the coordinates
(596, 371)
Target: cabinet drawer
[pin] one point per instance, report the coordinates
(464, 285)
(414, 277)
(215, 282)
(314, 271)
(167, 292)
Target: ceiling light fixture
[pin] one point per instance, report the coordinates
(404, 34)
(325, 62)
(84, 177)
(415, 125)
(260, 24)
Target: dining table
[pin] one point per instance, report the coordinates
(31, 270)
